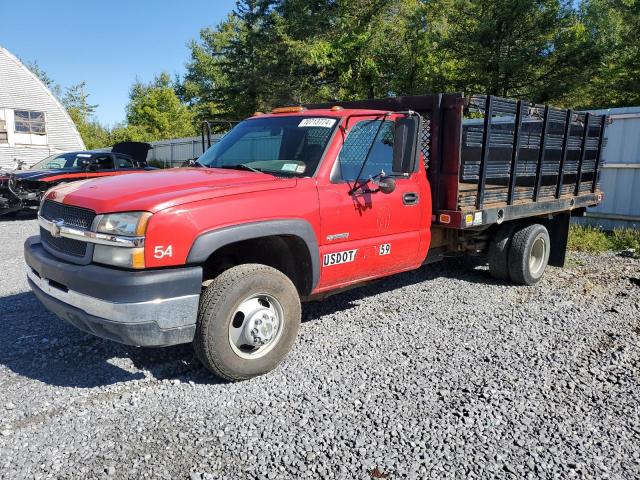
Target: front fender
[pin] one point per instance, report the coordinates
(208, 242)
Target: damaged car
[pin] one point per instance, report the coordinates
(23, 189)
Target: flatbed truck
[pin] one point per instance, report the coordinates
(306, 201)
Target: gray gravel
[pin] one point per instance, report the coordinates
(439, 373)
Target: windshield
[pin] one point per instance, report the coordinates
(71, 161)
(288, 146)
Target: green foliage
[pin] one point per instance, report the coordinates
(268, 53)
(594, 240)
(76, 101)
(44, 77)
(613, 30)
(627, 238)
(588, 239)
(155, 112)
(274, 52)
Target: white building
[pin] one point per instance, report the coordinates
(33, 123)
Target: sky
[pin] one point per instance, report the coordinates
(109, 44)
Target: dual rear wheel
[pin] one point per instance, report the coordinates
(519, 253)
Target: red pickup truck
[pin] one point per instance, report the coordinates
(305, 201)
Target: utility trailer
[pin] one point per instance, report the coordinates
(304, 202)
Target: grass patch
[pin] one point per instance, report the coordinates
(594, 240)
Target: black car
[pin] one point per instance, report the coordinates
(23, 189)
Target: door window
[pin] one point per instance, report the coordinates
(357, 144)
(104, 162)
(124, 162)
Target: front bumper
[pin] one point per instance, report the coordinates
(8, 201)
(145, 308)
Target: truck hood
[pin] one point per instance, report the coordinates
(160, 189)
(42, 175)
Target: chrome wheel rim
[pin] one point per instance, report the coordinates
(256, 326)
(537, 256)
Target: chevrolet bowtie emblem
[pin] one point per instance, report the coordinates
(56, 226)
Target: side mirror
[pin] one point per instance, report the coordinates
(405, 144)
(387, 184)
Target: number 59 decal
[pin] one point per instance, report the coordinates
(161, 252)
(385, 249)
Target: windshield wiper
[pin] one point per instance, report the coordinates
(241, 166)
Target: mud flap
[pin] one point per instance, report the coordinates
(558, 228)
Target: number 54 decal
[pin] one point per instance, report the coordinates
(385, 249)
(161, 252)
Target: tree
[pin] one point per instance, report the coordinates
(534, 49)
(35, 68)
(76, 101)
(612, 27)
(155, 112)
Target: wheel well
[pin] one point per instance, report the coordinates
(557, 226)
(286, 253)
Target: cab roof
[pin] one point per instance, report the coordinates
(322, 112)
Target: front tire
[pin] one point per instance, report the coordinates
(248, 321)
(529, 254)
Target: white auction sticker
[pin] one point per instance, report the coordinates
(317, 122)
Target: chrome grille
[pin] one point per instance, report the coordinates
(72, 216)
(68, 246)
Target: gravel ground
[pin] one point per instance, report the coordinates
(438, 373)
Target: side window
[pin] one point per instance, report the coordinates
(104, 162)
(124, 162)
(357, 144)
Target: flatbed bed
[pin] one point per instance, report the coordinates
(491, 159)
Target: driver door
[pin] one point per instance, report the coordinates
(367, 235)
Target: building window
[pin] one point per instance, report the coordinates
(4, 137)
(30, 122)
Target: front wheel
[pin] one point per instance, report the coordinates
(248, 321)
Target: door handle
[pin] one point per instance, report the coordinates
(410, 198)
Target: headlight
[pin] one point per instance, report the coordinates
(131, 224)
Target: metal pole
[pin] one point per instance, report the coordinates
(484, 156)
(596, 166)
(515, 153)
(565, 151)
(583, 153)
(541, 153)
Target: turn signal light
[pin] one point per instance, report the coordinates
(445, 218)
(137, 258)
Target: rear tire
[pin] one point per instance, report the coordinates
(245, 304)
(529, 254)
(498, 254)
